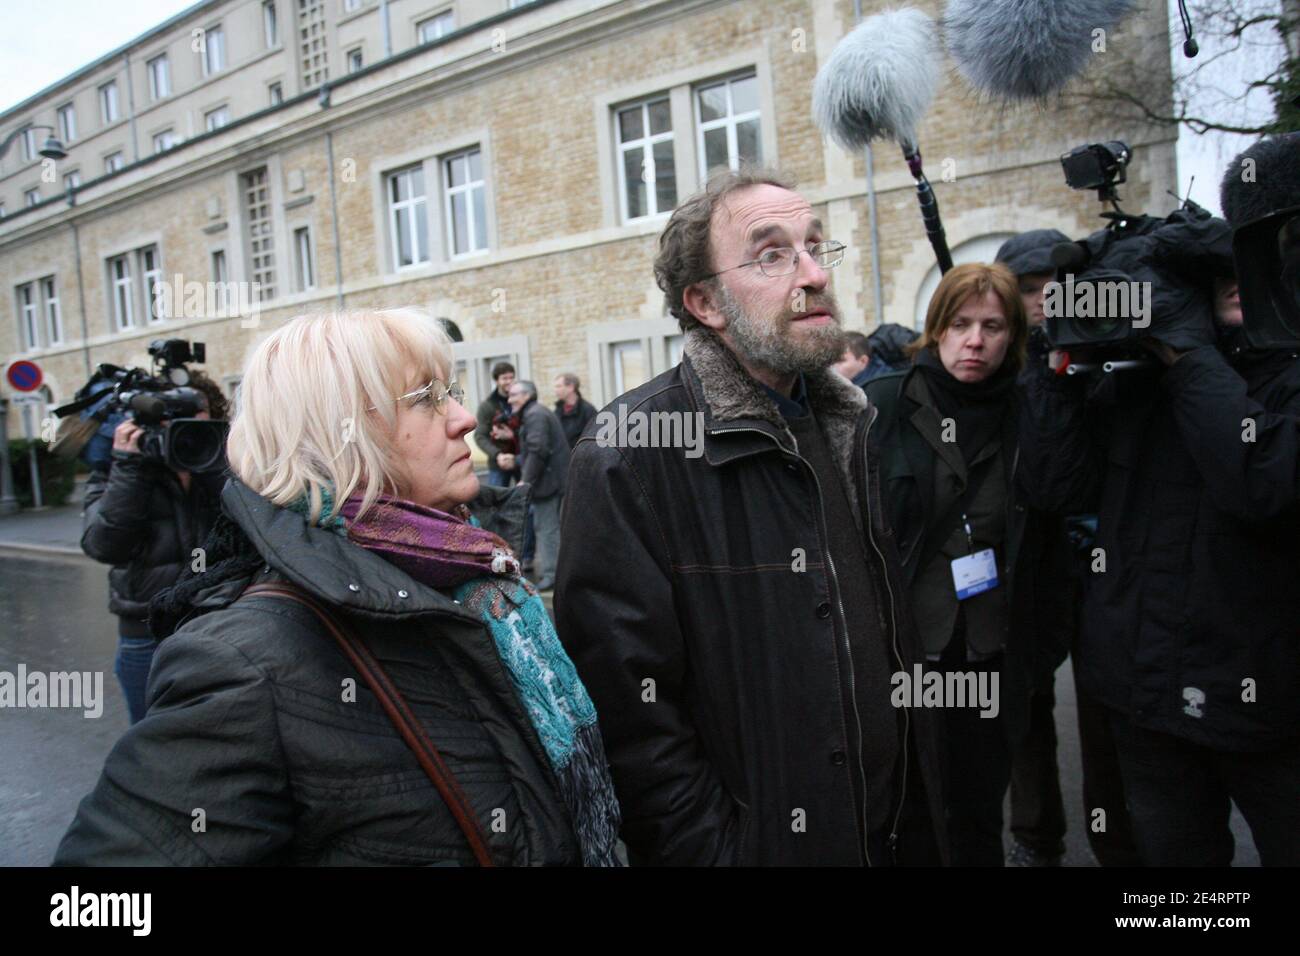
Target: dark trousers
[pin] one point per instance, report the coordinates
(977, 767)
(1180, 795)
(1037, 810)
(135, 651)
(1110, 835)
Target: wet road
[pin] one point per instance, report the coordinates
(53, 617)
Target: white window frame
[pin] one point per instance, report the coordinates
(72, 178)
(109, 107)
(730, 121)
(275, 93)
(435, 20)
(150, 276)
(28, 138)
(351, 6)
(304, 259)
(221, 113)
(160, 77)
(114, 161)
(169, 135)
(646, 145)
(219, 267)
(122, 292)
(467, 188)
(415, 207)
(270, 24)
(360, 64)
(53, 312)
(31, 197)
(214, 54)
(28, 321)
(656, 339)
(2, 210)
(67, 114)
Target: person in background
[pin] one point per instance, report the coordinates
(543, 462)
(857, 364)
(946, 437)
(574, 410)
(1029, 257)
(496, 432)
(146, 520)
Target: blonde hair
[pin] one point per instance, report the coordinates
(316, 404)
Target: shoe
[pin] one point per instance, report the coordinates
(1022, 855)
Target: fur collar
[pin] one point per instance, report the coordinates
(725, 392)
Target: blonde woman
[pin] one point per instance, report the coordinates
(360, 675)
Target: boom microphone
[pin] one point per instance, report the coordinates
(879, 81)
(1026, 49)
(877, 84)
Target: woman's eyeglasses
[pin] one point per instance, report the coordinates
(435, 393)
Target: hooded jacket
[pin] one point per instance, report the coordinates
(257, 718)
(696, 599)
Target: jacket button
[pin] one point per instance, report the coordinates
(791, 466)
(354, 587)
(403, 594)
(824, 610)
(837, 758)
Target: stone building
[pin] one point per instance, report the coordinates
(505, 165)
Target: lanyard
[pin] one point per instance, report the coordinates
(970, 538)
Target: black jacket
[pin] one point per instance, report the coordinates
(1035, 557)
(139, 519)
(714, 665)
(250, 720)
(1191, 628)
(490, 408)
(575, 419)
(543, 451)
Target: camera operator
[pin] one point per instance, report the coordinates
(146, 519)
(1188, 635)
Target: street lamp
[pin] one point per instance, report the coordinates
(52, 149)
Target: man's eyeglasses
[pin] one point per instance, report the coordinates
(782, 262)
(435, 393)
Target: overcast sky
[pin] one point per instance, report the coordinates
(48, 39)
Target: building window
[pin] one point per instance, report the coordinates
(355, 61)
(160, 77)
(256, 188)
(119, 275)
(108, 112)
(465, 201)
(164, 141)
(53, 317)
(647, 172)
(150, 276)
(270, 24)
(727, 117)
(408, 217)
(302, 259)
(351, 5)
(31, 197)
(29, 144)
(27, 316)
(214, 51)
(435, 27)
(624, 355)
(72, 180)
(2, 210)
(114, 161)
(68, 122)
(221, 276)
(276, 92)
(215, 119)
(313, 43)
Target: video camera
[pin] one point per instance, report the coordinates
(162, 402)
(1138, 277)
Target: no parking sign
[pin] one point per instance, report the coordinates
(24, 376)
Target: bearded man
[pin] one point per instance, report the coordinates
(737, 615)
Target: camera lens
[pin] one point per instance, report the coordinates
(196, 445)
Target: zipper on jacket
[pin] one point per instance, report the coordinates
(864, 830)
(860, 456)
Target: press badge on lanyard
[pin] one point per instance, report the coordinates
(975, 573)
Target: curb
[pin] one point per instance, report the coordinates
(50, 549)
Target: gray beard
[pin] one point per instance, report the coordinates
(768, 344)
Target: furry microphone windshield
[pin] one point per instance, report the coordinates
(1026, 49)
(879, 80)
